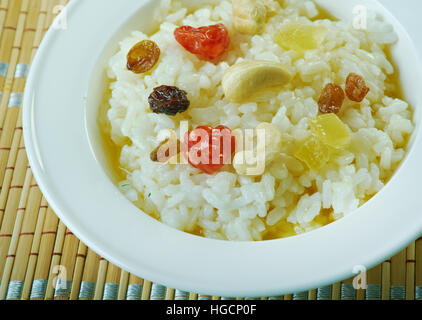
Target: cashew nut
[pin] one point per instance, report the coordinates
(249, 16)
(246, 78)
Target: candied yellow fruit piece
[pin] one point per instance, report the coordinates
(314, 153)
(330, 130)
(300, 37)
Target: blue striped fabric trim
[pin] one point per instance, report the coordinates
(181, 295)
(63, 288)
(21, 70)
(398, 293)
(418, 293)
(15, 99)
(111, 290)
(38, 289)
(87, 290)
(300, 296)
(158, 292)
(134, 292)
(14, 291)
(373, 292)
(324, 293)
(348, 292)
(3, 69)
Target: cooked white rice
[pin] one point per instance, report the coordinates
(288, 199)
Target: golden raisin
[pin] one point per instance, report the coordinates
(331, 99)
(143, 56)
(356, 88)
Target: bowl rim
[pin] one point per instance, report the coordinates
(168, 268)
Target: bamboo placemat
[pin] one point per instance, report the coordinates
(41, 259)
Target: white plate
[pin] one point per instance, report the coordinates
(60, 105)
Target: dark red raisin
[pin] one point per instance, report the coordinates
(168, 100)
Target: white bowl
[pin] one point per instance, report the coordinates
(64, 90)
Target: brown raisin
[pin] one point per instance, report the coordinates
(162, 158)
(168, 100)
(356, 88)
(331, 99)
(143, 56)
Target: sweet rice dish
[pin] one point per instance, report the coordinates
(255, 119)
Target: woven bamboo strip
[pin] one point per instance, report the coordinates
(398, 276)
(24, 37)
(9, 199)
(13, 241)
(146, 290)
(78, 272)
(111, 287)
(101, 279)
(12, 132)
(33, 255)
(101, 276)
(288, 297)
(410, 272)
(19, 28)
(170, 294)
(124, 281)
(13, 164)
(3, 10)
(15, 113)
(6, 44)
(48, 235)
(193, 296)
(27, 55)
(89, 277)
(55, 261)
(20, 57)
(336, 291)
(360, 294)
(67, 266)
(374, 278)
(385, 280)
(312, 295)
(25, 236)
(418, 270)
(6, 82)
(134, 290)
